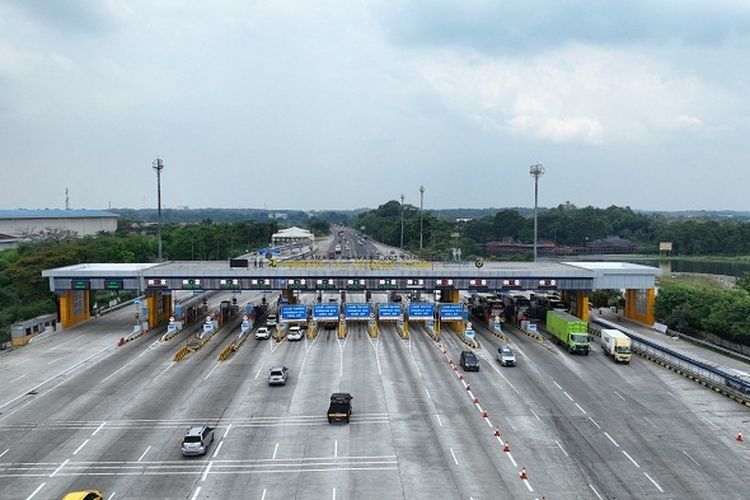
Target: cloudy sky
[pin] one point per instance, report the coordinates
(343, 104)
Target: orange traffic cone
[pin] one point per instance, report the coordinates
(523, 474)
(121, 341)
(450, 361)
(476, 400)
(497, 432)
(468, 387)
(740, 437)
(484, 413)
(461, 376)
(506, 448)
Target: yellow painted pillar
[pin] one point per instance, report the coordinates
(639, 305)
(582, 305)
(74, 307)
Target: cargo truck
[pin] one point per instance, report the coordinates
(568, 330)
(616, 344)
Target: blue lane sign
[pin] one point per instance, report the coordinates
(389, 311)
(421, 310)
(325, 311)
(451, 312)
(357, 311)
(293, 312)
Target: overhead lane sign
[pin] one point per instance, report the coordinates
(421, 311)
(325, 311)
(357, 311)
(451, 312)
(389, 311)
(293, 312)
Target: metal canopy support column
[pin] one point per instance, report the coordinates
(74, 307)
(582, 305)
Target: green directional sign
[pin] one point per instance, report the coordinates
(229, 283)
(112, 284)
(78, 284)
(191, 283)
(387, 284)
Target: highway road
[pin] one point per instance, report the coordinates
(582, 427)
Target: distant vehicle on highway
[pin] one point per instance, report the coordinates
(84, 495)
(337, 249)
(505, 356)
(278, 375)
(469, 361)
(295, 333)
(262, 333)
(271, 320)
(197, 440)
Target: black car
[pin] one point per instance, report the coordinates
(469, 361)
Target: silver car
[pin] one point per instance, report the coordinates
(278, 375)
(197, 440)
(505, 356)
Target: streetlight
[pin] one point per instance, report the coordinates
(536, 171)
(402, 221)
(421, 207)
(158, 165)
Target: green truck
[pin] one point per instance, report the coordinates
(569, 331)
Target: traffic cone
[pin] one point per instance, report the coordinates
(497, 432)
(450, 360)
(121, 341)
(476, 400)
(523, 474)
(484, 413)
(740, 437)
(461, 376)
(506, 448)
(468, 387)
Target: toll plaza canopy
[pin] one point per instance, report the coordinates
(371, 275)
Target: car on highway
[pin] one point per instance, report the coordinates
(469, 361)
(262, 333)
(197, 440)
(278, 375)
(330, 325)
(505, 356)
(84, 495)
(294, 333)
(271, 320)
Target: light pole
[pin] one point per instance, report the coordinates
(402, 221)
(536, 171)
(158, 165)
(421, 207)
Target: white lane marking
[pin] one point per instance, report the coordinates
(170, 365)
(98, 428)
(335, 448)
(454, 456)
(333, 494)
(594, 422)
(672, 394)
(619, 395)
(3, 453)
(35, 491)
(436, 416)
(197, 492)
(504, 378)
(683, 451)
(208, 468)
(655, 483)
(55, 360)
(713, 424)
(263, 496)
(568, 395)
(216, 453)
(341, 363)
(631, 459)
(561, 448)
(513, 460)
(59, 468)
(18, 378)
(428, 392)
(649, 421)
(528, 485)
(595, 492)
(610, 438)
(80, 447)
(416, 365)
(22, 362)
(275, 451)
(212, 370)
(535, 415)
(579, 407)
(112, 495)
(557, 385)
(118, 370)
(144, 453)
(226, 432)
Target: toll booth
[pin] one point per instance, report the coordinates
(356, 312)
(324, 315)
(423, 312)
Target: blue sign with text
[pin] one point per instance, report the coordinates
(451, 312)
(389, 311)
(325, 311)
(357, 311)
(421, 310)
(293, 312)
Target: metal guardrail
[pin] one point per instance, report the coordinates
(713, 376)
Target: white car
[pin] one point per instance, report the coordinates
(262, 333)
(295, 333)
(271, 320)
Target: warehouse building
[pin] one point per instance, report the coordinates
(21, 223)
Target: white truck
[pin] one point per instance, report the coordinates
(616, 344)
